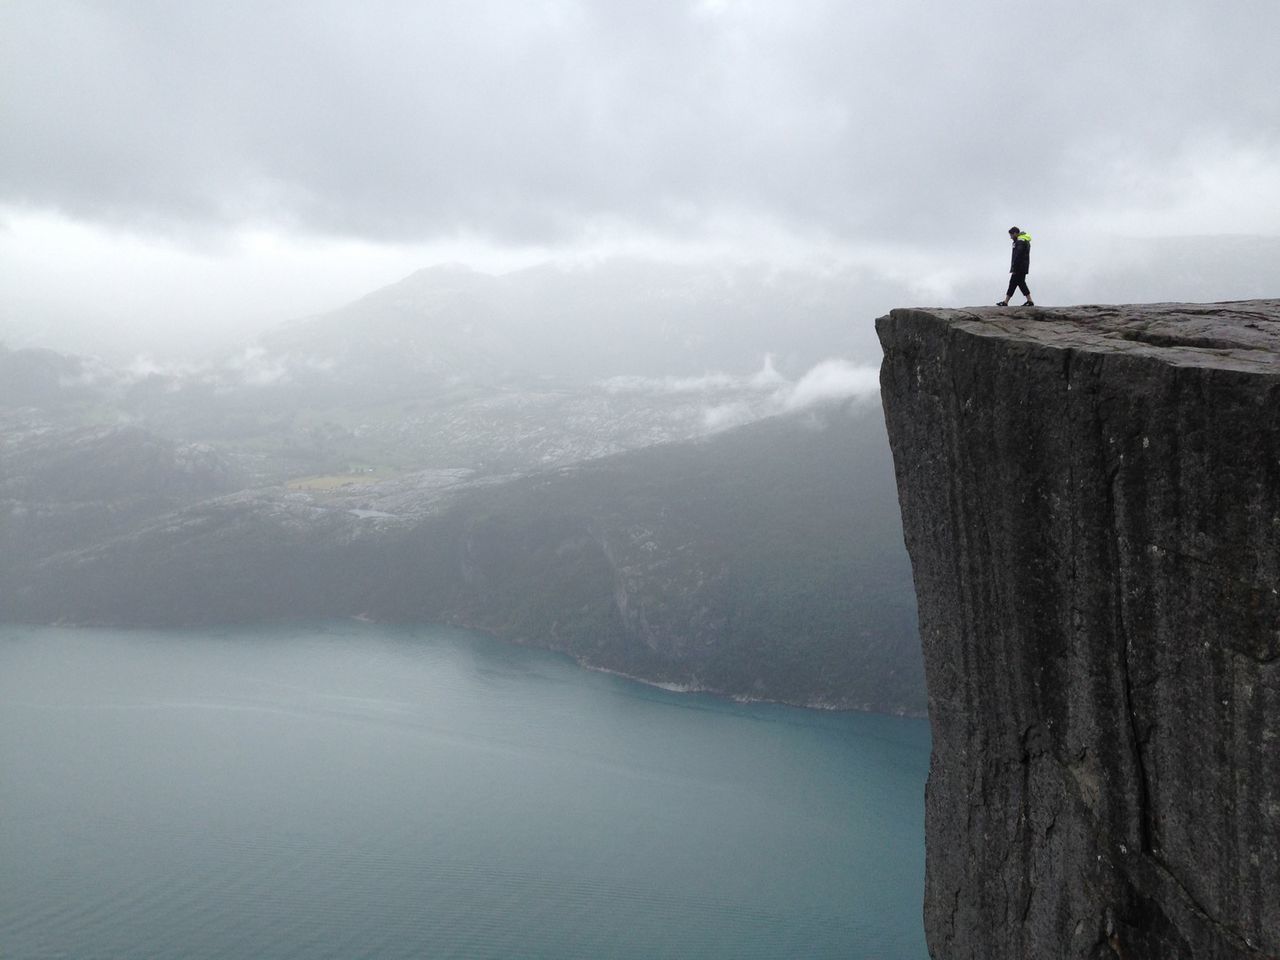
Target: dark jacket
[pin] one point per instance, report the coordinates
(1021, 262)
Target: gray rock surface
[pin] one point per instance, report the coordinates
(1091, 502)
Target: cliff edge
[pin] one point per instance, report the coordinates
(1091, 503)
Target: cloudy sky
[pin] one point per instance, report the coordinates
(230, 164)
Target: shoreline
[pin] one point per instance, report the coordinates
(670, 686)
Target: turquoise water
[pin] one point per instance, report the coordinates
(361, 791)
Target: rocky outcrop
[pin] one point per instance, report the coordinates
(1091, 503)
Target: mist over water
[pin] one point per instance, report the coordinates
(350, 790)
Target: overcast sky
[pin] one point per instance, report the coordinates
(232, 163)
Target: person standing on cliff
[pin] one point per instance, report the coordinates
(1019, 267)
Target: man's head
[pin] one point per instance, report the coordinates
(1014, 231)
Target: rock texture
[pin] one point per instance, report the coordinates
(1091, 502)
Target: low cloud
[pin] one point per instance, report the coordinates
(252, 366)
(765, 393)
(829, 382)
(725, 415)
(256, 368)
(763, 380)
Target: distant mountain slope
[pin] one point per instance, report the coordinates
(766, 561)
(41, 378)
(446, 325)
(67, 488)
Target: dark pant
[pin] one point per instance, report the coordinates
(1018, 281)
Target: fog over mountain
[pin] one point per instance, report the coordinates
(617, 318)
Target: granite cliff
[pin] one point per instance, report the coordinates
(1091, 503)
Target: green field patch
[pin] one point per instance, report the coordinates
(337, 481)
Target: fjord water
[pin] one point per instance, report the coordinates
(353, 790)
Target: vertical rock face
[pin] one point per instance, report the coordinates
(1091, 502)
